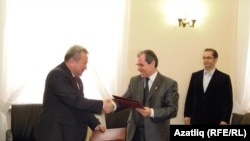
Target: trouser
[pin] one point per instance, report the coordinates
(139, 132)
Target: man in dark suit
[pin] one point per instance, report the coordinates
(66, 114)
(209, 98)
(160, 104)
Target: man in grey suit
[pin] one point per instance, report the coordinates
(160, 104)
(66, 113)
(209, 97)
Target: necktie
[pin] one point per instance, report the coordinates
(146, 91)
(76, 80)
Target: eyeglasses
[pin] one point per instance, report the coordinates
(208, 58)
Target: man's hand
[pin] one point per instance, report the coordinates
(144, 112)
(100, 128)
(223, 123)
(187, 120)
(108, 106)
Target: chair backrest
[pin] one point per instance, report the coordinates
(23, 121)
(117, 119)
(236, 118)
(240, 119)
(246, 119)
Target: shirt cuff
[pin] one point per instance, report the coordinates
(152, 112)
(114, 105)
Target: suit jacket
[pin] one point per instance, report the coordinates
(66, 114)
(212, 106)
(163, 98)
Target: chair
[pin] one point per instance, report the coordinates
(117, 119)
(23, 121)
(246, 119)
(240, 119)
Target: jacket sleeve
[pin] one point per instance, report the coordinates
(93, 121)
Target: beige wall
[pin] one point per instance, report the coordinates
(180, 49)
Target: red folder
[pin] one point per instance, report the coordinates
(127, 103)
(113, 134)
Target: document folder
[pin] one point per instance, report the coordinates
(113, 134)
(127, 103)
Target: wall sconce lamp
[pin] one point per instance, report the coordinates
(184, 22)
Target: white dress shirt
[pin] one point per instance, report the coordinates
(206, 78)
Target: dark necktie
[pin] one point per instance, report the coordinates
(76, 80)
(146, 91)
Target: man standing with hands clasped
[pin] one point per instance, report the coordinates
(209, 97)
(66, 113)
(158, 93)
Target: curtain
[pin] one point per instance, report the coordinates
(3, 90)
(242, 95)
(35, 35)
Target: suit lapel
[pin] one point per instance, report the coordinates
(69, 74)
(141, 89)
(80, 85)
(155, 86)
(212, 81)
(200, 81)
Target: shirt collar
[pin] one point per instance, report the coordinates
(209, 72)
(153, 76)
(73, 75)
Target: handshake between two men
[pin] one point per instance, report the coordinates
(108, 106)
